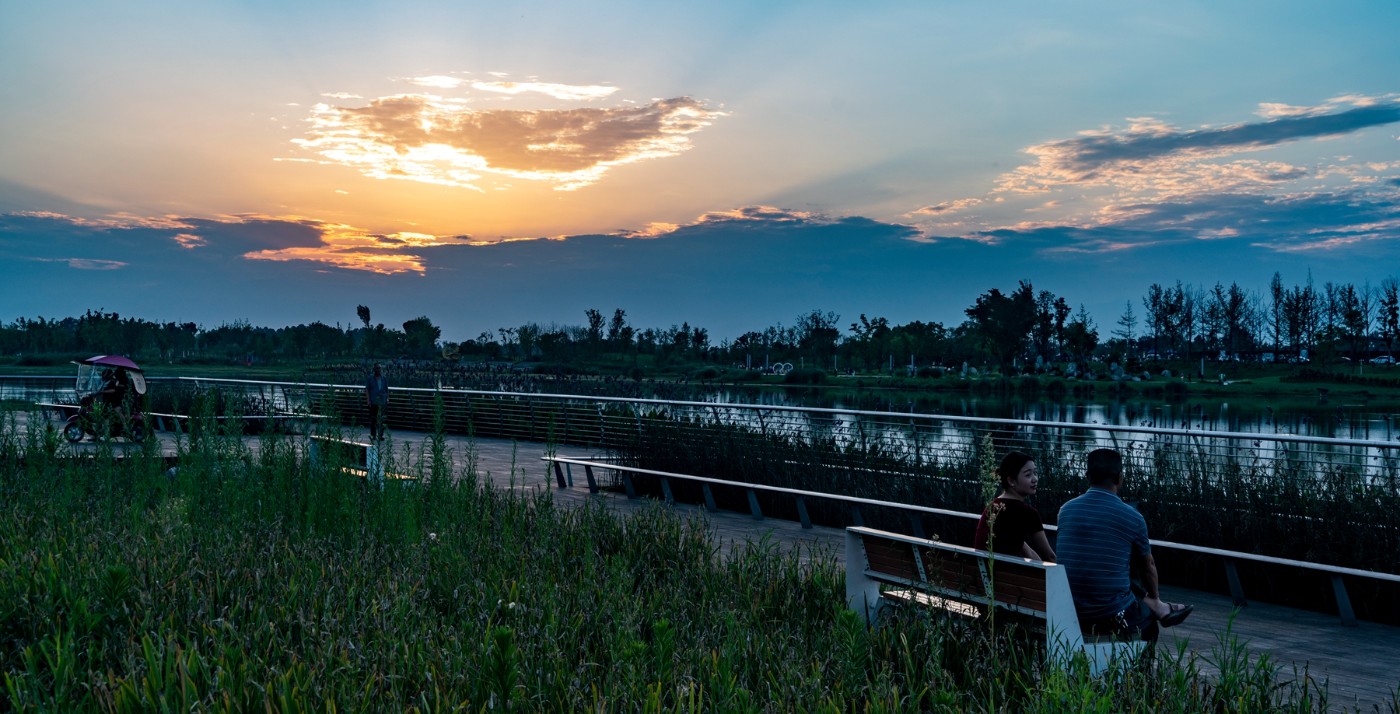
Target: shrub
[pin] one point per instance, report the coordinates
(705, 373)
(1028, 386)
(805, 376)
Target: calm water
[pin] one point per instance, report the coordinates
(1378, 419)
(1374, 420)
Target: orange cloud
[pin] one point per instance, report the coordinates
(347, 247)
(443, 141)
(189, 240)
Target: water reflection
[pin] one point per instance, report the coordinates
(1374, 420)
(1377, 420)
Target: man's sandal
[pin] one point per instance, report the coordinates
(1176, 616)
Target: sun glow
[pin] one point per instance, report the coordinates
(347, 247)
(445, 141)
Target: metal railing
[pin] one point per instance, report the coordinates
(1228, 559)
(919, 439)
(1292, 496)
(1287, 496)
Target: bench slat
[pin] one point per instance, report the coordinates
(896, 559)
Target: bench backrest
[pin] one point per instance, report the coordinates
(956, 572)
(876, 558)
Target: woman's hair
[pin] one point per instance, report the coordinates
(1011, 465)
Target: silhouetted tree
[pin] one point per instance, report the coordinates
(1003, 322)
(420, 337)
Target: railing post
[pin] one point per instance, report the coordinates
(802, 512)
(1232, 575)
(1339, 589)
(856, 518)
(627, 484)
(559, 476)
(592, 482)
(753, 505)
(666, 490)
(709, 498)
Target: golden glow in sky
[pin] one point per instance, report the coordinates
(435, 139)
(347, 247)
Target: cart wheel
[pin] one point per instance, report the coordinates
(73, 433)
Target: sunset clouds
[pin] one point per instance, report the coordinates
(719, 163)
(1150, 149)
(1151, 183)
(448, 141)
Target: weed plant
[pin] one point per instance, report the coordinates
(249, 578)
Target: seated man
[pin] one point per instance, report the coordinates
(1100, 540)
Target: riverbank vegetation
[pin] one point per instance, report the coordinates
(250, 579)
(1205, 331)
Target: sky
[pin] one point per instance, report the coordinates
(728, 164)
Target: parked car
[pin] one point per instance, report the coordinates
(1383, 359)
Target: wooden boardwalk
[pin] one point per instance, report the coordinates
(1359, 665)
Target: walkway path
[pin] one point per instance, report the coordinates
(1360, 665)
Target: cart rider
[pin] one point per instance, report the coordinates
(115, 386)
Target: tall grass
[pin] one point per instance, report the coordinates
(1337, 507)
(251, 579)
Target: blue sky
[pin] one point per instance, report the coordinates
(731, 164)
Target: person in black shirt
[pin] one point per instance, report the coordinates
(1009, 525)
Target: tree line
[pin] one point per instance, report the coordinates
(1021, 330)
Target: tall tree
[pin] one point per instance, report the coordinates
(1232, 317)
(1278, 301)
(1156, 316)
(595, 326)
(1043, 326)
(421, 337)
(1062, 313)
(868, 338)
(1003, 322)
(1389, 317)
(619, 332)
(1355, 308)
(817, 335)
(1127, 322)
(1081, 336)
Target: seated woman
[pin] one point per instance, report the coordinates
(1009, 525)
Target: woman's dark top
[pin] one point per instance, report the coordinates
(1015, 522)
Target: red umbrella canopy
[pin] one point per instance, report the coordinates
(112, 361)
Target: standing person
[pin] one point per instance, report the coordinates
(377, 396)
(1100, 540)
(1009, 524)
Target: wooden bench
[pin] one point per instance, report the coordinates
(359, 458)
(883, 568)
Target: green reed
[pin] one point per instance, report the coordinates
(252, 579)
